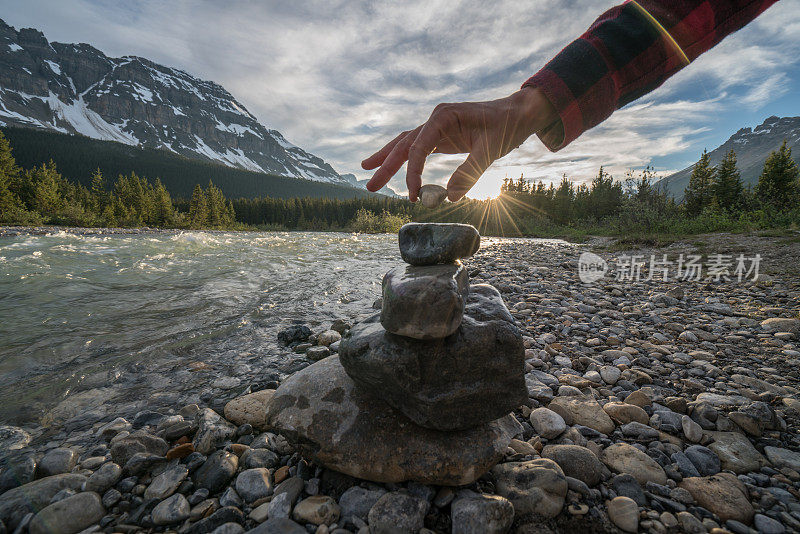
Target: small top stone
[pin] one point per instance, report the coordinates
(432, 195)
(437, 243)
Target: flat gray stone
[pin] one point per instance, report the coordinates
(474, 376)
(357, 501)
(397, 512)
(736, 453)
(783, 457)
(56, 462)
(172, 510)
(69, 515)
(342, 427)
(424, 302)
(104, 478)
(254, 484)
(432, 243)
(576, 462)
(140, 441)
(534, 487)
(217, 471)
(33, 496)
(481, 514)
(166, 483)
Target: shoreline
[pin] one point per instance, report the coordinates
(704, 354)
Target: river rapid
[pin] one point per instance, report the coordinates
(75, 310)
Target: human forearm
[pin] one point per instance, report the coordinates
(629, 51)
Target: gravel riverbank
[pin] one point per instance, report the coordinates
(654, 406)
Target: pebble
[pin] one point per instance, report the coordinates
(432, 195)
(56, 462)
(767, 525)
(547, 423)
(166, 483)
(577, 462)
(217, 471)
(254, 484)
(171, 510)
(536, 486)
(105, 477)
(625, 458)
(318, 510)
(395, 512)
(624, 513)
(69, 515)
(722, 494)
(212, 431)
(481, 514)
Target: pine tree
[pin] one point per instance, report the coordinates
(778, 184)
(164, 210)
(46, 197)
(605, 196)
(98, 192)
(727, 186)
(698, 194)
(563, 200)
(198, 208)
(9, 175)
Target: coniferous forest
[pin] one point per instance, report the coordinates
(715, 200)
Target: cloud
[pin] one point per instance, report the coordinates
(341, 78)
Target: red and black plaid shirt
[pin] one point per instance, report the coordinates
(629, 51)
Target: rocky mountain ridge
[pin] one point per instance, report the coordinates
(752, 146)
(76, 89)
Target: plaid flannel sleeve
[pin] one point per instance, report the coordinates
(629, 51)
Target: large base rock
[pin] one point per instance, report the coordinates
(424, 302)
(432, 243)
(321, 412)
(474, 376)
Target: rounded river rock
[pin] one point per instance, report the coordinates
(343, 428)
(437, 243)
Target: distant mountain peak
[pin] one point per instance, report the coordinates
(752, 146)
(76, 89)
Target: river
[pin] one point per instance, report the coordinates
(73, 305)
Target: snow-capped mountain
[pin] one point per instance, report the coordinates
(76, 89)
(752, 146)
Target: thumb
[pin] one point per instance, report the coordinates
(466, 175)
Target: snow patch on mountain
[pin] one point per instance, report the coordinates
(76, 89)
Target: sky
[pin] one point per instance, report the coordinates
(342, 78)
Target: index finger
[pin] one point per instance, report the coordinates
(377, 158)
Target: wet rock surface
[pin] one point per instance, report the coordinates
(424, 302)
(437, 243)
(321, 411)
(616, 343)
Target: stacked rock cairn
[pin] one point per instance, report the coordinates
(423, 390)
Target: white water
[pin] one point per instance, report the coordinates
(71, 305)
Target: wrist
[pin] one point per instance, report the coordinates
(535, 109)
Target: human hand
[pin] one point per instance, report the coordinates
(486, 130)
